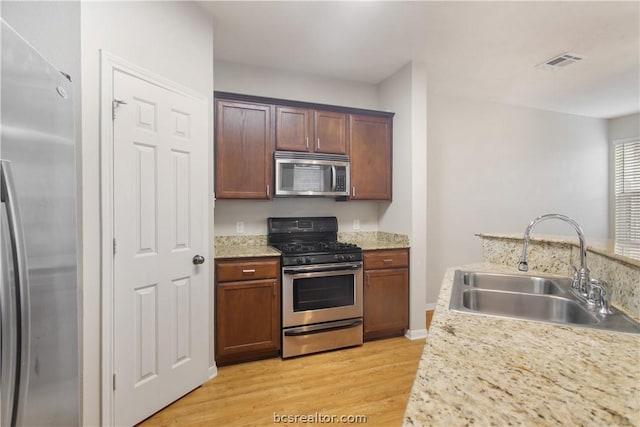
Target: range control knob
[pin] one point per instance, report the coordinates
(307, 260)
(299, 260)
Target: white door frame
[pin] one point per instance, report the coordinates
(110, 63)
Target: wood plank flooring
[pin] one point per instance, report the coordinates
(373, 380)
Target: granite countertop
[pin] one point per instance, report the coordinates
(256, 246)
(487, 370)
(374, 240)
(243, 247)
(621, 250)
(245, 251)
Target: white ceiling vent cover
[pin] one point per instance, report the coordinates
(561, 61)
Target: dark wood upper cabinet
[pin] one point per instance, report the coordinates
(330, 132)
(293, 128)
(303, 129)
(370, 157)
(248, 129)
(244, 136)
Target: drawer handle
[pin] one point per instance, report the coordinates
(253, 270)
(387, 260)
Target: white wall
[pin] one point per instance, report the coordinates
(405, 93)
(269, 82)
(395, 95)
(494, 167)
(237, 78)
(619, 128)
(171, 39)
(625, 127)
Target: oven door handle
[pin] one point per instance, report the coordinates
(316, 329)
(328, 268)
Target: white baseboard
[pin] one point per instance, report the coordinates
(213, 372)
(416, 334)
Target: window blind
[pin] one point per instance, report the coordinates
(627, 190)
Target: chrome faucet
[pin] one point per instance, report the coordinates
(581, 281)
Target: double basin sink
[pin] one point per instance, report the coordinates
(543, 299)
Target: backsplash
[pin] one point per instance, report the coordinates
(558, 257)
(354, 237)
(241, 240)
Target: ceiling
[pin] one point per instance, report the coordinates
(478, 49)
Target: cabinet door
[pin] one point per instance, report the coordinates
(386, 302)
(293, 129)
(247, 319)
(330, 132)
(243, 150)
(370, 156)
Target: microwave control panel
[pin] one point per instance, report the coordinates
(341, 180)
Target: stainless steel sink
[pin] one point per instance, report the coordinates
(542, 299)
(527, 306)
(516, 283)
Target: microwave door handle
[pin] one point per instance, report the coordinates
(333, 178)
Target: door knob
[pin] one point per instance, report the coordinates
(198, 259)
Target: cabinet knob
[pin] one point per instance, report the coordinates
(198, 259)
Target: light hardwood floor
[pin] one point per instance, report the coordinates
(373, 380)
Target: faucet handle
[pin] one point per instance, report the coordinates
(599, 294)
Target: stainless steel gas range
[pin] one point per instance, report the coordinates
(321, 285)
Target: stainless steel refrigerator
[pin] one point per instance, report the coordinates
(38, 228)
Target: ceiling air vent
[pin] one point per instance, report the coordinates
(560, 61)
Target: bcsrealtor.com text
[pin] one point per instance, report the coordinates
(318, 418)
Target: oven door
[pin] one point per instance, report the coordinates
(321, 293)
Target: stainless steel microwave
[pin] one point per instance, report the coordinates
(311, 174)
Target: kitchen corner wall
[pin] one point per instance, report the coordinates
(170, 39)
(494, 167)
(405, 93)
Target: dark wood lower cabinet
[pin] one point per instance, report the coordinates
(247, 310)
(386, 293)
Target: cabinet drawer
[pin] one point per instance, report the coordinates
(248, 269)
(386, 258)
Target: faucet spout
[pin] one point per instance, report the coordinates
(583, 274)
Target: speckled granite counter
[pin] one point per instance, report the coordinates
(256, 246)
(627, 252)
(373, 240)
(484, 370)
(243, 247)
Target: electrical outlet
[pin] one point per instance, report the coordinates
(240, 227)
(356, 224)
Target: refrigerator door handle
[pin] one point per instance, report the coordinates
(21, 273)
(8, 333)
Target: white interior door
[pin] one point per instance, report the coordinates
(160, 315)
